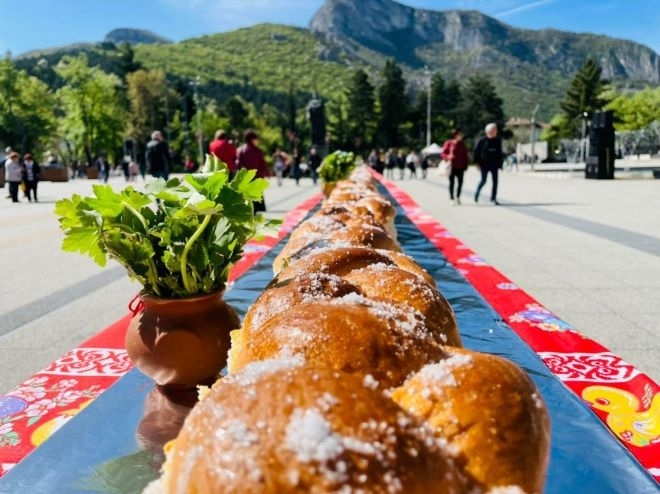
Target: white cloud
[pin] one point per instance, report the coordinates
(524, 7)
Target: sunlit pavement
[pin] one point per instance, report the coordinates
(588, 250)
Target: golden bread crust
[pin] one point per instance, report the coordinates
(352, 334)
(403, 287)
(490, 411)
(304, 430)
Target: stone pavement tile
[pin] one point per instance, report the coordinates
(17, 364)
(586, 279)
(624, 300)
(613, 331)
(648, 323)
(647, 277)
(646, 361)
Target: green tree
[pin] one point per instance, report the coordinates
(444, 100)
(584, 95)
(235, 110)
(479, 105)
(127, 62)
(27, 119)
(150, 101)
(393, 104)
(361, 111)
(635, 111)
(339, 131)
(94, 119)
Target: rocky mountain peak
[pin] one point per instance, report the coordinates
(134, 37)
(418, 37)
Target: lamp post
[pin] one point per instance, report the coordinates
(533, 134)
(429, 82)
(585, 116)
(200, 133)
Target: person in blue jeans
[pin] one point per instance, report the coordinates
(488, 155)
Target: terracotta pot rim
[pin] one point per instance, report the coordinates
(155, 300)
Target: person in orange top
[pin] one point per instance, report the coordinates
(456, 153)
(221, 148)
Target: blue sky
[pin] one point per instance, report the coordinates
(31, 24)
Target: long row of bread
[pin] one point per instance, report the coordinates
(348, 375)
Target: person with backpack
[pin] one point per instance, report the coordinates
(158, 156)
(488, 155)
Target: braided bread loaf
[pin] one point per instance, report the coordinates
(348, 376)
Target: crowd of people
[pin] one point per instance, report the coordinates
(23, 174)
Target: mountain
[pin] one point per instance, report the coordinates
(134, 37)
(264, 63)
(528, 67)
(418, 37)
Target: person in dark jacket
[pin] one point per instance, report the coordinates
(456, 153)
(488, 155)
(158, 156)
(249, 156)
(31, 172)
(314, 162)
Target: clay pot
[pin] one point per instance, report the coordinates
(327, 188)
(181, 343)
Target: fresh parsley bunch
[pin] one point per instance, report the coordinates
(337, 166)
(179, 238)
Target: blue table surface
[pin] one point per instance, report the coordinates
(115, 444)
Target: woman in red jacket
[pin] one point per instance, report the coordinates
(251, 157)
(456, 153)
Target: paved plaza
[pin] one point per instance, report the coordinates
(587, 250)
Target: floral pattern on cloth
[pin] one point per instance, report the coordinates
(542, 318)
(40, 399)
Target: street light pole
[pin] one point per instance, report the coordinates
(533, 135)
(200, 133)
(429, 83)
(583, 153)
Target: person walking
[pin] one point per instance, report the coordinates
(13, 175)
(158, 156)
(314, 162)
(249, 156)
(295, 166)
(390, 164)
(31, 172)
(425, 165)
(401, 164)
(412, 162)
(488, 155)
(103, 167)
(222, 148)
(280, 159)
(455, 151)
